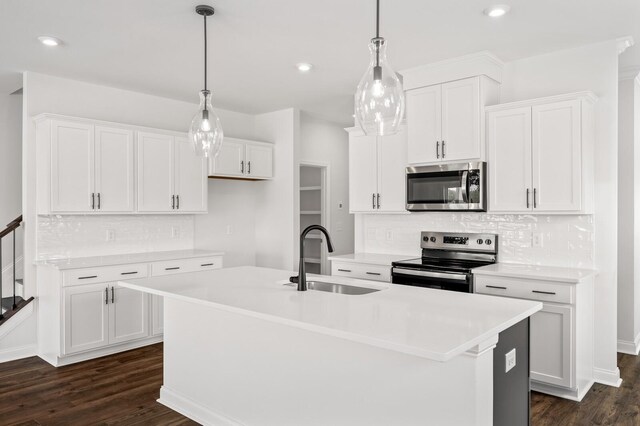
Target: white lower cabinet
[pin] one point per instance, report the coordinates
(561, 334)
(86, 318)
(128, 315)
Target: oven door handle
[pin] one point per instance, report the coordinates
(429, 274)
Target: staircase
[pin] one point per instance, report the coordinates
(12, 296)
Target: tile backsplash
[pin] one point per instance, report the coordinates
(566, 240)
(85, 235)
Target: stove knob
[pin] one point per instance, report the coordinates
(433, 239)
(479, 241)
(488, 242)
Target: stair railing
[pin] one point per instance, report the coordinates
(9, 229)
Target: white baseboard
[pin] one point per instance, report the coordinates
(13, 354)
(607, 377)
(193, 410)
(571, 394)
(627, 347)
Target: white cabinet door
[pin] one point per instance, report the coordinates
(424, 120)
(72, 167)
(509, 153)
(157, 315)
(190, 179)
(461, 120)
(114, 178)
(259, 160)
(363, 173)
(128, 314)
(392, 161)
(230, 159)
(86, 313)
(557, 162)
(551, 345)
(155, 173)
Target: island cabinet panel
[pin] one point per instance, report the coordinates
(552, 344)
(541, 155)
(377, 172)
(446, 121)
(243, 159)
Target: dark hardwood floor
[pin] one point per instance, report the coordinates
(122, 390)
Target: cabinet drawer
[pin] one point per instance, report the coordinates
(543, 291)
(362, 271)
(103, 274)
(179, 266)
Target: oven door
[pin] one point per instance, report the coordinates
(432, 279)
(446, 187)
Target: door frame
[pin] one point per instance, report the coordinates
(325, 211)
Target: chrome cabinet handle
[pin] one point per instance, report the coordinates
(173, 202)
(443, 154)
(178, 202)
(437, 149)
(378, 200)
(497, 287)
(535, 201)
(373, 201)
(93, 201)
(113, 295)
(344, 270)
(99, 201)
(543, 292)
(242, 166)
(527, 197)
(249, 167)
(106, 295)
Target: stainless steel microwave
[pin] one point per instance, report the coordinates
(452, 187)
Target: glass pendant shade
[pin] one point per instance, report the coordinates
(379, 98)
(205, 131)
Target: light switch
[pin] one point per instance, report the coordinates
(509, 360)
(111, 235)
(537, 240)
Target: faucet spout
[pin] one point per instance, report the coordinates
(302, 273)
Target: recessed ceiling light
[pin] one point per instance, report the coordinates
(49, 41)
(304, 67)
(497, 10)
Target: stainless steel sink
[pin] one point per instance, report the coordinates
(337, 288)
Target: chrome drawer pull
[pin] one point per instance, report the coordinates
(128, 273)
(88, 277)
(543, 292)
(344, 270)
(496, 286)
(172, 268)
(207, 264)
(373, 273)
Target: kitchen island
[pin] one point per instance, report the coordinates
(241, 347)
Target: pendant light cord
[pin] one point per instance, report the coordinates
(205, 53)
(378, 32)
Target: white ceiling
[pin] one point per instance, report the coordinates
(155, 46)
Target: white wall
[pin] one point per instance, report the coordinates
(328, 143)
(628, 215)
(277, 201)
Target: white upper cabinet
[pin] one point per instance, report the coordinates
(114, 176)
(72, 167)
(155, 173)
(377, 172)
(190, 178)
(243, 159)
(94, 167)
(541, 155)
(445, 121)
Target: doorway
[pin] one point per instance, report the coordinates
(314, 196)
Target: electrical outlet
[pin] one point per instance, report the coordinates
(389, 235)
(111, 235)
(537, 240)
(229, 230)
(339, 227)
(509, 360)
(175, 232)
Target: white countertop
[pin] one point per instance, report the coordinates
(123, 259)
(548, 273)
(372, 258)
(433, 324)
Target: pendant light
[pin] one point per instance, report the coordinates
(205, 131)
(379, 99)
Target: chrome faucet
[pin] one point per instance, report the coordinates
(301, 279)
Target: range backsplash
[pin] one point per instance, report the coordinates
(566, 240)
(86, 235)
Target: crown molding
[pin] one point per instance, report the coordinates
(629, 73)
(623, 43)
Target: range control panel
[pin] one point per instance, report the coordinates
(459, 241)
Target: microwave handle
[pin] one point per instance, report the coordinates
(465, 186)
